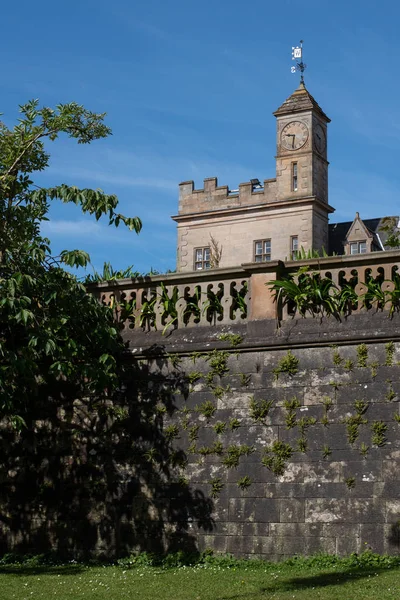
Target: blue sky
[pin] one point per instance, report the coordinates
(189, 89)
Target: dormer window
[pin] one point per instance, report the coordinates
(358, 247)
(294, 177)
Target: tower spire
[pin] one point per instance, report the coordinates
(297, 54)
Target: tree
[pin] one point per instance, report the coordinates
(53, 333)
(390, 226)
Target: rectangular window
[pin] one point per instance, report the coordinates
(202, 259)
(294, 177)
(358, 247)
(294, 246)
(262, 250)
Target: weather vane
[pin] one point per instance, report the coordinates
(297, 54)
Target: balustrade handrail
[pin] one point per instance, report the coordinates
(228, 295)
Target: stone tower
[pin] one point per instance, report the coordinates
(301, 161)
(263, 220)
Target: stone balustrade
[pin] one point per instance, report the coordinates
(232, 295)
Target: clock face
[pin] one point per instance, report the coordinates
(294, 135)
(319, 138)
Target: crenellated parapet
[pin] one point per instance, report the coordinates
(214, 197)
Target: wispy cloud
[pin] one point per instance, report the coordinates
(119, 179)
(66, 228)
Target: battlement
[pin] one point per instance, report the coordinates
(214, 197)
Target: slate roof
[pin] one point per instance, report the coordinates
(338, 232)
(300, 100)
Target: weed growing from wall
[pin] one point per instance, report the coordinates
(302, 444)
(353, 422)
(378, 429)
(219, 427)
(244, 482)
(390, 350)
(374, 369)
(396, 417)
(348, 365)
(362, 355)
(259, 409)
(326, 451)
(327, 403)
(337, 359)
(244, 379)
(216, 448)
(194, 433)
(275, 457)
(234, 424)
(206, 408)
(233, 338)
(391, 395)
(175, 360)
(233, 454)
(288, 364)
(193, 376)
(195, 356)
(350, 482)
(291, 406)
(171, 432)
(216, 486)
(364, 449)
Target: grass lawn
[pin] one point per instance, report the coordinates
(306, 580)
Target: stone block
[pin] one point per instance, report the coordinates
(292, 510)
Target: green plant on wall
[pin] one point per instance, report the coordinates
(216, 448)
(390, 350)
(337, 359)
(348, 365)
(233, 338)
(378, 429)
(374, 368)
(288, 364)
(244, 482)
(206, 408)
(219, 427)
(217, 360)
(350, 482)
(233, 454)
(234, 424)
(326, 451)
(193, 376)
(175, 360)
(362, 355)
(216, 486)
(194, 356)
(304, 423)
(364, 449)
(291, 414)
(259, 409)
(276, 455)
(219, 390)
(194, 433)
(302, 444)
(171, 432)
(327, 404)
(396, 417)
(391, 394)
(244, 379)
(353, 422)
(177, 458)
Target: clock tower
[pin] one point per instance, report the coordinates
(302, 165)
(301, 161)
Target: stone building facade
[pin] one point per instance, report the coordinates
(273, 219)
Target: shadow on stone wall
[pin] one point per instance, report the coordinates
(99, 478)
